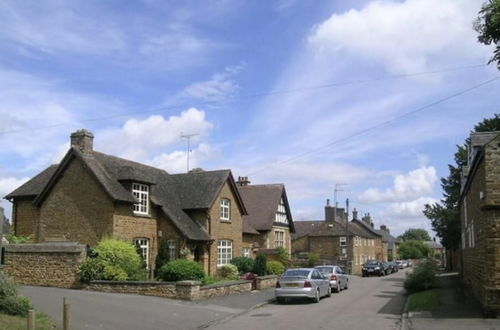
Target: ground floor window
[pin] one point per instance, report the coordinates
(224, 252)
(172, 250)
(143, 245)
(247, 252)
(279, 238)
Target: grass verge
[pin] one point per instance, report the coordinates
(423, 301)
(9, 322)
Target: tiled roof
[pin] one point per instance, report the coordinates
(366, 228)
(326, 228)
(433, 245)
(34, 186)
(387, 237)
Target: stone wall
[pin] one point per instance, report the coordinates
(48, 264)
(224, 289)
(266, 282)
(158, 289)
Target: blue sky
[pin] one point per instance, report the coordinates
(279, 91)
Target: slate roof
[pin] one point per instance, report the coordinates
(367, 228)
(173, 193)
(262, 203)
(433, 245)
(317, 228)
(387, 237)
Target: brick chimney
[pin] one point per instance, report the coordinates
(354, 214)
(83, 140)
(243, 181)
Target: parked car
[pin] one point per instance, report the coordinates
(393, 267)
(409, 263)
(373, 267)
(302, 283)
(402, 264)
(338, 279)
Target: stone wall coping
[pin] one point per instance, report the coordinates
(267, 277)
(188, 283)
(46, 247)
(132, 283)
(224, 284)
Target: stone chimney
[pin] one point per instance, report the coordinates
(354, 214)
(83, 140)
(384, 228)
(243, 181)
(367, 219)
(329, 211)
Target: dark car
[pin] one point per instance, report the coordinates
(373, 267)
(393, 267)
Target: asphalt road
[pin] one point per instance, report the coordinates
(370, 303)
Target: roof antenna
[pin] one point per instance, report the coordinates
(188, 137)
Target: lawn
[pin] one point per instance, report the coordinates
(423, 301)
(42, 322)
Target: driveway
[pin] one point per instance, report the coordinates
(97, 310)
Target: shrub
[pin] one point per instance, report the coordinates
(182, 270)
(260, 265)
(15, 305)
(208, 280)
(228, 271)
(114, 260)
(283, 256)
(422, 278)
(413, 250)
(163, 256)
(244, 264)
(312, 259)
(13, 239)
(275, 268)
(8, 288)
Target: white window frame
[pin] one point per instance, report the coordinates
(247, 252)
(143, 244)
(141, 193)
(172, 249)
(342, 241)
(225, 209)
(281, 216)
(224, 252)
(279, 238)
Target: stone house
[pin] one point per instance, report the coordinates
(392, 242)
(480, 219)
(268, 224)
(334, 241)
(437, 250)
(90, 195)
(379, 242)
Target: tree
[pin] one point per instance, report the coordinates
(445, 216)
(416, 234)
(488, 26)
(413, 249)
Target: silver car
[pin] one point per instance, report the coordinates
(302, 283)
(338, 279)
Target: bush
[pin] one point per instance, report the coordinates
(413, 250)
(422, 278)
(244, 264)
(182, 270)
(15, 305)
(114, 260)
(163, 256)
(208, 280)
(228, 271)
(312, 259)
(260, 265)
(13, 239)
(283, 256)
(275, 268)
(8, 288)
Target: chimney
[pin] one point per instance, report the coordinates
(355, 214)
(83, 140)
(328, 202)
(243, 181)
(329, 211)
(384, 228)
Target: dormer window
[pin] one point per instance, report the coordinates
(281, 216)
(141, 193)
(225, 205)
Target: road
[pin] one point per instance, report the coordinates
(370, 303)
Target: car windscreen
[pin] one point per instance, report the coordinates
(325, 270)
(296, 273)
(372, 263)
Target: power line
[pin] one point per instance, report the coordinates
(251, 96)
(384, 123)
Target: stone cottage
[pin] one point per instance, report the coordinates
(379, 242)
(393, 243)
(90, 195)
(480, 219)
(268, 224)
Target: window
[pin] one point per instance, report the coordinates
(225, 205)
(343, 241)
(143, 245)
(247, 252)
(172, 250)
(141, 193)
(344, 251)
(281, 213)
(224, 252)
(279, 238)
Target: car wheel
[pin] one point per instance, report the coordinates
(339, 288)
(329, 292)
(280, 300)
(316, 297)
(346, 285)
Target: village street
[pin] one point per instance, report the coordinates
(369, 303)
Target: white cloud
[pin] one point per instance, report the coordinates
(141, 139)
(414, 184)
(176, 161)
(221, 86)
(7, 185)
(405, 35)
(411, 209)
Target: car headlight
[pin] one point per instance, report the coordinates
(377, 268)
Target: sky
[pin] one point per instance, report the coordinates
(371, 96)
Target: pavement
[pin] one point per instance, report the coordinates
(458, 309)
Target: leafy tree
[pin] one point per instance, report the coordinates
(488, 27)
(413, 249)
(416, 234)
(445, 216)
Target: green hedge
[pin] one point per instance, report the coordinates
(423, 277)
(275, 268)
(244, 264)
(182, 270)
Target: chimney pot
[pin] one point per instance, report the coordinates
(83, 140)
(243, 181)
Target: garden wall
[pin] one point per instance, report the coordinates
(45, 264)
